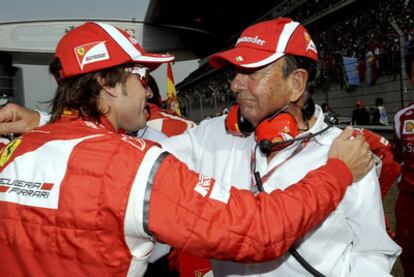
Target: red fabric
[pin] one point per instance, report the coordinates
(89, 48)
(362, 70)
(171, 125)
(190, 266)
(246, 228)
(84, 235)
(404, 208)
(404, 145)
(167, 123)
(265, 42)
(390, 169)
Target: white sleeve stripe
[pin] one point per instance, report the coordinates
(139, 243)
(133, 225)
(148, 189)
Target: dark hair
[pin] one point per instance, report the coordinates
(156, 98)
(379, 101)
(294, 62)
(81, 92)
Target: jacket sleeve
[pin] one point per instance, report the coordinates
(205, 218)
(373, 251)
(390, 169)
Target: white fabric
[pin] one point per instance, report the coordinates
(159, 249)
(44, 118)
(151, 134)
(122, 41)
(284, 37)
(383, 117)
(148, 133)
(139, 242)
(351, 242)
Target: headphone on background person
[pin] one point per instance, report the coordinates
(273, 133)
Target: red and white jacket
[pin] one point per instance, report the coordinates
(404, 145)
(78, 199)
(167, 123)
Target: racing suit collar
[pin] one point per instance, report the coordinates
(104, 121)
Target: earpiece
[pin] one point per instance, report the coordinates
(236, 124)
(272, 133)
(276, 133)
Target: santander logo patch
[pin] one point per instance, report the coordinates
(91, 53)
(254, 40)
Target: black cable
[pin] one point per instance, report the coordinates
(258, 181)
(292, 249)
(256, 174)
(304, 263)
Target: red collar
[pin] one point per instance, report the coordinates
(104, 121)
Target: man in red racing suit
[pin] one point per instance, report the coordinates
(404, 152)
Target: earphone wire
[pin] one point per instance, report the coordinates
(257, 177)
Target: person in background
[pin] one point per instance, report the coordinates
(379, 116)
(404, 152)
(360, 115)
(332, 117)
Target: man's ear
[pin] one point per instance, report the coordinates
(297, 83)
(112, 91)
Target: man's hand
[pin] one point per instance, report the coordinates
(354, 152)
(17, 119)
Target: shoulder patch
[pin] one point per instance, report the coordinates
(408, 127)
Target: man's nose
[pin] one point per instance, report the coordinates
(238, 82)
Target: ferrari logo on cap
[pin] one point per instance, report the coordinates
(81, 51)
(307, 36)
(239, 58)
(91, 53)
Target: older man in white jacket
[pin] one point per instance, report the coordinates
(350, 242)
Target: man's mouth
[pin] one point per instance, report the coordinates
(244, 101)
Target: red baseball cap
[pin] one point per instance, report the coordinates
(94, 46)
(265, 42)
